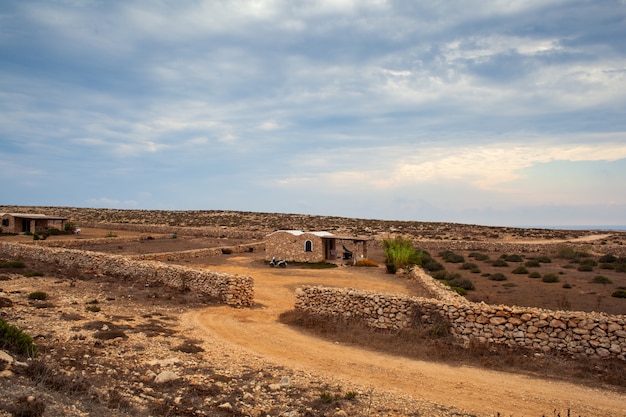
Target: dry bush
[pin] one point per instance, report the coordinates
(55, 379)
(26, 406)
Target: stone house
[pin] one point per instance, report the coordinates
(28, 222)
(300, 246)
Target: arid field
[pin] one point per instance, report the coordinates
(114, 347)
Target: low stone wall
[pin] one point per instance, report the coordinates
(231, 289)
(514, 248)
(78, 243)
(570, 332)
(208, 231)
(199, 253)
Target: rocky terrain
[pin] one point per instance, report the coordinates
(111, 347)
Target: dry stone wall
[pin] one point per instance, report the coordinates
(199, 253)
(569, 332)
(180, 230)
(512, 247)
(231, 289)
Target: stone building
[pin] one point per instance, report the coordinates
(29, 222)
(300, 246)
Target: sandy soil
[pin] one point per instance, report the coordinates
(479, 391)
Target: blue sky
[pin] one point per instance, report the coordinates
(484, 112)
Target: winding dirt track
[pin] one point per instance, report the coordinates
(478, 391)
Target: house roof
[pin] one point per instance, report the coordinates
(300, 232)
(33, 216)
(322, 234)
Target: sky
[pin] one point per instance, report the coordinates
(501, 112)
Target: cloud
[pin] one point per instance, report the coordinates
(106, 202)
(457, 103)
(484, 167)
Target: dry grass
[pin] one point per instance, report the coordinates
(430, 343)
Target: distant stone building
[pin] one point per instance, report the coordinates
(300, 246)
(28, 222)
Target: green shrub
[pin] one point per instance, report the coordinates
(463, 283)
(601, 279)
(400, 253)
(550, 278)
(38, 295)
(33, 274)
(567, 252)
(513, 258)
(451, 257)
(479, 256)
(12, 264)
(607, 259)
(543, 259)
(497, 277)
(327, 397)
(500, 263)
(350, 395)
(16, 340)
(585, 268)
(533, 263)
(520, 270)
(430, 264)
(619, 294)
(459, 290)
(509, 285)
(567, 285)
(446, 275)
(589, 261)
(468, 265)
(534, 274)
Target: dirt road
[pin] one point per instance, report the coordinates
(478, 391)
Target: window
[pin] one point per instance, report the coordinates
(308, 246)
(5, 222)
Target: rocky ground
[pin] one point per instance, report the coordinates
(117, 348)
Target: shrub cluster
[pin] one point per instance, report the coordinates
(612, 262)
(601, 279)
(497, 277)
(38, 295)
(479, 256)
(12, 264)
(16, 340)
(512, 258)
(550, 278)
(451, 257)
(400, 253)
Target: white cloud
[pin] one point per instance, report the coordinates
(269, 125)
(111, 202)
(488, 167)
